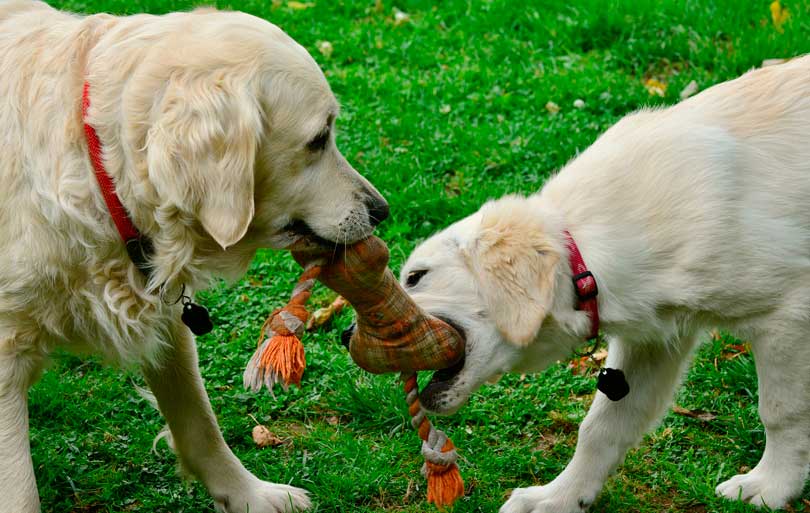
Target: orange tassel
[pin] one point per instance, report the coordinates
(284, 354)
(280, 355)
(444, 483)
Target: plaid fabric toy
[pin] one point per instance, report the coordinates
(393, 335)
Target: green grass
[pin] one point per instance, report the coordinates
(441, 112)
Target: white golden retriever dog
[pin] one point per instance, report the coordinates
(216, 128)
(689, 217)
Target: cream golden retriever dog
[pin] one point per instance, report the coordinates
(689, 217)
(217, 130)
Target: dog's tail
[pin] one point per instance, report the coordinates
(165, 433)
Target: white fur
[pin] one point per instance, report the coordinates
(690, 217)
(204, 119)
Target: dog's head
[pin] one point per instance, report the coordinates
(496, 275)
(240, 137)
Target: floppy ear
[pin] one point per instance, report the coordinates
(515, 268)
(201, 152)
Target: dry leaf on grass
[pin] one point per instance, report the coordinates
(326, 48)
(552, 107)
(701, 415)
(779, 15)
(732, 351)
(582, 365)
(299, 6)
(401, 18)
(655, 87)
(323, 315)
(264, 438)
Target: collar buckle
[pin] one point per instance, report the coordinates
(585, 286)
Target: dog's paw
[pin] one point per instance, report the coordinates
(761, 489)
(544, 499)
(263, 497)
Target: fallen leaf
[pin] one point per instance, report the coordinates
(734, 350)
(264, 438)
(326, 48)
(299, 6)
(546, 442)
(701, 415)
(690, 89)
(579, 366)
(401, 18)
(655, 87)
(552, 107)
(322, 316)
(600, 355)
(779, 15)
(332, 420)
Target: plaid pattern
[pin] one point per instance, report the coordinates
(393, 334)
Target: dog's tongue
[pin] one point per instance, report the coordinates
(393, 334)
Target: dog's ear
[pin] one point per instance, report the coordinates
(515, 267)
(202, 149)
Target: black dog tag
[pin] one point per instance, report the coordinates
(196, 318)
(612, 383)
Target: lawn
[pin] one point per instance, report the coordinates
(444, 106)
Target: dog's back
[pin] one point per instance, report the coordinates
(715, 187)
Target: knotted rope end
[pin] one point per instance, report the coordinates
(279, 358)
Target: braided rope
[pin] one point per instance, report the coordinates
(279, 357)
(440, 468)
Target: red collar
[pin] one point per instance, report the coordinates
(138, 247)
(584, 285)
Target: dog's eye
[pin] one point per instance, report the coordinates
(414, 276)
(318, 142)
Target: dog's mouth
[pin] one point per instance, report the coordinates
(442, 380)
(298, 232)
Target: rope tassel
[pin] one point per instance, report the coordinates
(279, 357)
(444, 482)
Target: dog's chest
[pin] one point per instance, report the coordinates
(98, 308)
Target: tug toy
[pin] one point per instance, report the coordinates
(393, 335)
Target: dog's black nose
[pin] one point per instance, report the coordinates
(346, 336)
(377, 210)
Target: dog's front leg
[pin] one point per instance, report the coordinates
(18, 487)
(610, 428)
(199, 444)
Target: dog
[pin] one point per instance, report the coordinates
(216, 130)
(688, 217)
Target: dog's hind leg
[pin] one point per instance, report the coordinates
(20, 364)
(182, 399)
(782, 357)
(611, 428)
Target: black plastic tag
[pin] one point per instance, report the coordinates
(612, 383)
(196, 318)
